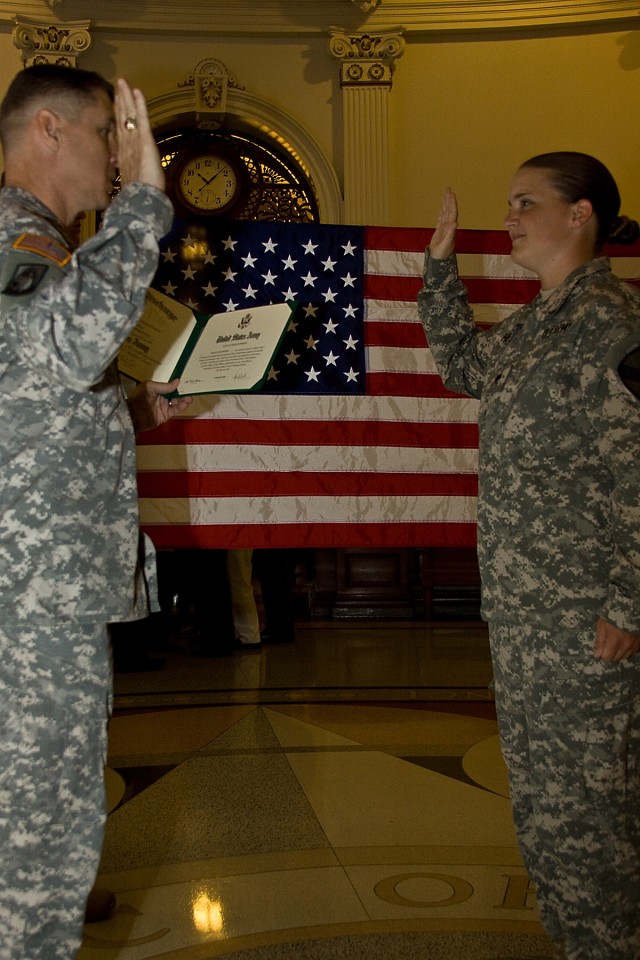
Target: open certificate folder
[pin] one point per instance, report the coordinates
(211, 353)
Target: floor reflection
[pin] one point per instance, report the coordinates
(342, 796)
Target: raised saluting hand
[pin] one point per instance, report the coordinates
(444, 236)
(138, 156)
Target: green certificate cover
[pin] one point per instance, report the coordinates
(211, 353)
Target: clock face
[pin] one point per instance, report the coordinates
(208, 183)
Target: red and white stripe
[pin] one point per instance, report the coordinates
(396, 467)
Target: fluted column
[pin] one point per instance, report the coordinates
(51, 43)
(365, 78)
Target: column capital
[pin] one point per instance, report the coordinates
(367, 58)
(42, 42)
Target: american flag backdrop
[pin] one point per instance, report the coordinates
(352, 441)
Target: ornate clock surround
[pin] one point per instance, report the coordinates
(269, 186)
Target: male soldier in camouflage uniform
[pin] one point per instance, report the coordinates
(69, 535)
(559, 545)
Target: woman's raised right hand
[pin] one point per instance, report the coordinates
(444, 236)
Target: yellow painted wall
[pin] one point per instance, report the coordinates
(466, 114)
(463, 112)
(298, 77)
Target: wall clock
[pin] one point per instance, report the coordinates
(207, 180)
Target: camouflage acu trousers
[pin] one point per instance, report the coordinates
(570, 732)
(54, 699)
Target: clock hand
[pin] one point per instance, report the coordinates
(207, 182)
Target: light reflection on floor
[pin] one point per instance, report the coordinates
(279, 828)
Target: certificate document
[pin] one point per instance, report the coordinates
(211, 353)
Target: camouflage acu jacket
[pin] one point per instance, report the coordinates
(559, 495)
(69, 519)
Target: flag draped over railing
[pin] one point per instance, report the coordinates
(353, 440)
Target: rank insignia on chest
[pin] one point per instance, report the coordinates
(25, 279)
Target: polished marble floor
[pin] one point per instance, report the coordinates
(340, 797)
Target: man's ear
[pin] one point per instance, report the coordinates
(47, 125)
(581, 213)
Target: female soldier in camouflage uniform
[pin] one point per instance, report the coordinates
(559, 539)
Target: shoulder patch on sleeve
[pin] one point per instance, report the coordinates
(44, 246)
(629, 370)
(26, 278)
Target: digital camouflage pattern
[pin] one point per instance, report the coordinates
(68, 547)
(559, 484)
(559, 547)
(54, 692)
(69, 538)
(570, 736)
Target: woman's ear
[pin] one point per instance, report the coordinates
(582, 212)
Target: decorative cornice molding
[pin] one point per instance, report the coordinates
(366, 5)
(51, 43)
(471, 15)
(312, 17)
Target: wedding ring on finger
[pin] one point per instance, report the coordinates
(130, 123)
